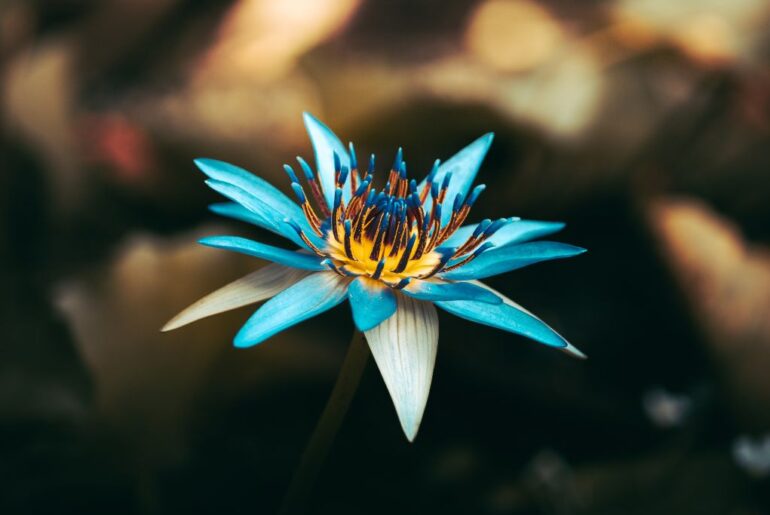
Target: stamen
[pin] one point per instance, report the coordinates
(356, 203)
(354, 177)
(403, 184)
(460, 212)
(307, 209)
(339, 270)
(315, 189)
(429, 181)
(361, 217)
(405, 256)
(348, 248)
(312, 219)
(290, 172)
(298, 192)
(399, 158)
(391, 223)
(342, 176)
(470, 257)
(423, 231)
(294, 225)
(336, 213)
(403, 283)
(399, 228)
(436, 222)
(471, 241)
(379, 235)
(481, 234)
(444, 187)
(494, 227)
(434, 189)
(446, 255)
(475, 194)
(378, 270)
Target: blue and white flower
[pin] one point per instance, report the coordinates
(394, 253)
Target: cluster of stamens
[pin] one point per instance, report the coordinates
(394, 234)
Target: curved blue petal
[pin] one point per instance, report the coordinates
(514, 231)
(463, 166)
(506, 317)
(265, 216)
(268, 252)
(238, 212)
(501, 260)
(309, 297)
(325, 145)
(567, 349)
(255, 186)
(433, 291)
(372, 302)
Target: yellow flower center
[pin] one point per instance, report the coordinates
(392, 235)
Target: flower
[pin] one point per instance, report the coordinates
(394, 253)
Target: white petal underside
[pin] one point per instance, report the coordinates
(404, 348)
(569, 349)
(260, 285)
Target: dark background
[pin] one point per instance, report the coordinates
(644, 124)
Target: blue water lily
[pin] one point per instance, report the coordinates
(393, 252)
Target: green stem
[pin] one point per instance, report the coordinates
(327, 427)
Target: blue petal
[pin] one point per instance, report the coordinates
(238, 212)
(372, 302)
(265, 216)
(506, 317)
(568, 348)
(255, 186)
(515, 231)
(463, 166)
(325, 145)
(268, 252)
(501, 260)
(307, 298)
(433, 291)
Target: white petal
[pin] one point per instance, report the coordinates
(569, 349)
(404, 347)
(260, 285)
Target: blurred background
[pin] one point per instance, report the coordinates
(644, 124)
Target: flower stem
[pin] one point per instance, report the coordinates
(327, 427)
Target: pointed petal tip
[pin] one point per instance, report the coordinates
(207, 240)
(404, 348)
(573, 351)
(242, 341)
(206, 164)
(217, 207)
(409, 421)
(309, 119)
(239, 342)
(410, 431)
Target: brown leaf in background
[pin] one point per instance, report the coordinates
(726, 281)
(148, 383)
